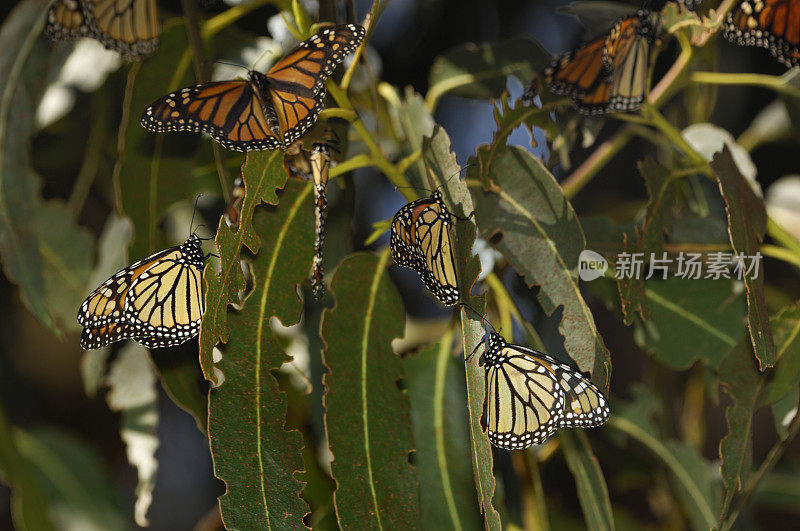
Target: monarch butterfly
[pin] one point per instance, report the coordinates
(608, 74)
(529, 395)
(420, 239)
(771, 24)
(129, 27)
(156, 301)
(266, 111)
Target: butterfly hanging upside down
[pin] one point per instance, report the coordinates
(265, 111)
(420, 239)
(770, 24)
(529, 395)
(129, 27)
(157, 301)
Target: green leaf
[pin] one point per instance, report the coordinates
(132, 392)
(262, 173)
(649, 236)
(29, 507)
(181, 378)
(66, 251)
(253, 454)
(507, 119)
(596, 16)
(154, 170)
(368, 418)
(43, 252)
(589, 480)
(541, 237)
(80, 493)
(706, 314)
(691, 483)
(785, 377)
(411, 121)
(480, 71)
(703, 482)
(435, 383)
(740, 378)
(442, 164)
(747, 224)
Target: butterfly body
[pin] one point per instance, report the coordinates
(420, 239)
(129, 27)
(156, 301)
(770, 24)
(529, 395)
(264, 111)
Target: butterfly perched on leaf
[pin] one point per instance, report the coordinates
(265, 111)
(157, 301)
(420, 239)
(529, 395)
(770, 24)
(129, 27)
(609, 73)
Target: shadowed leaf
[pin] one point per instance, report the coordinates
(649, 237)
(443, 165)
(740, 378)
(542, 238)
(153, 171)
(747, 224)
(253, 454)
(262, 173)
(785, 377)
(43, 251)
(80, 493)
(707, 315)
(28, 498)
(480, 71)
(439, 410)
(589, 480)
(368, 418)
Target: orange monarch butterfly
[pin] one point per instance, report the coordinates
(608, 74)
(129, 27)
(529, 395)
(157, 301)
(420, 239)
(771, 24)
(266, 111)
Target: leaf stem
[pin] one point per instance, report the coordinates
(775, 83)
(91, 158)
(769, 462)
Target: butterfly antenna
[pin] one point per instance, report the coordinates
(225, 63)
(194, 211)
(455, 174)
(476, 312)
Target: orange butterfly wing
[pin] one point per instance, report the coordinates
(129, 27)
(578, 73)
(296, 83)
(66, 21)
(771, 24)
(230, 111)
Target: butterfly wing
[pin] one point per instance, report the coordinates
(296, 83)
(771, 24)
(627, 51)
(66, 20)
(129, 27)
(106, 304)
(585, 406)
(578, 73)
(166, 301)
(98, 337)
(432, 225)
(229, 111)
(524, 401)
(402, 241)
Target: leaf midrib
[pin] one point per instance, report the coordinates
(373, 292)
(262, 318)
